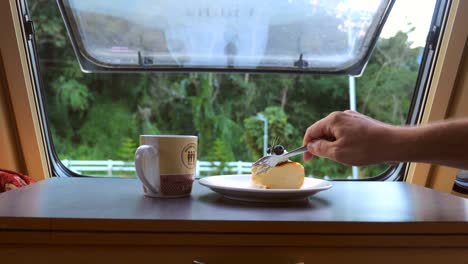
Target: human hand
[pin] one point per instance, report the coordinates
(350, 138)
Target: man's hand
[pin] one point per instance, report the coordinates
(349, 138)
(355, 139)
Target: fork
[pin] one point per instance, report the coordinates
(267, 162)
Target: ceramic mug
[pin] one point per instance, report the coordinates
(166, 164)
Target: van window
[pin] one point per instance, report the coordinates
(95, 118)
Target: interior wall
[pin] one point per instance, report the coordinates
(457, 108)
(445, 94)
(459, 101)
(10, 158)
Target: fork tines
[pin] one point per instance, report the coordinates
(260, 161)
(263, 168)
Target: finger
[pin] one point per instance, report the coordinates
(317, 130)
(357, 114)
(306, 156)
(321, 148)
(354, 113)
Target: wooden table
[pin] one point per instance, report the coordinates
(102, 219)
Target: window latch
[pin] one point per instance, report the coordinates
(301, 63)
(144, 60)
(28, 27)
(433, 37)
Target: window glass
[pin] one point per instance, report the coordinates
(463, 175)
(461, 182)
(309, 35)
(96, 118)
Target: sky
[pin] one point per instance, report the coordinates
(417, 12)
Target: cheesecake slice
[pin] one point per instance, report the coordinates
(286, 175)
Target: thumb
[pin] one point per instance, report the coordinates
(320, 147)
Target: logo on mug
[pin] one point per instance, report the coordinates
(189, 155)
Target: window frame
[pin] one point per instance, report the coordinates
(28, 134)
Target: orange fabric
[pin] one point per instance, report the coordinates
(10, 180)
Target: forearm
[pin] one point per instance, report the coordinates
(444, 143)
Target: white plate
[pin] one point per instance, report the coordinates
(238, 187)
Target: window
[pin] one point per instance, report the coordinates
(286, 35)
(95, 118)
(461, 182)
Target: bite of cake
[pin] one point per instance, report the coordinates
(286, 175)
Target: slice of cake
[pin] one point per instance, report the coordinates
(285, 175)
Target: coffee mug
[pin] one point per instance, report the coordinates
(166, 164)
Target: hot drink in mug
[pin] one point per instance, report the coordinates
(166, 164)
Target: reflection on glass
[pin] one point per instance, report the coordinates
(248, 34)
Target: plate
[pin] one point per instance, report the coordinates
(237, 187)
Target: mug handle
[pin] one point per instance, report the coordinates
(147, 160)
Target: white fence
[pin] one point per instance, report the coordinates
(109, 167)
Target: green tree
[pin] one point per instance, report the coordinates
(279, 130)
(126, 152)
(221, 152)
(389, 81)
(107, 126)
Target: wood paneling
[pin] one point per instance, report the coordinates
(229, 255)
(10, 158)
(118, 205)
(93, 220)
